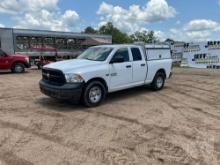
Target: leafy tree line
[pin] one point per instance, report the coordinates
(119, 37)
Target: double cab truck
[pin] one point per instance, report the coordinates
(104, 69)
(15, 63)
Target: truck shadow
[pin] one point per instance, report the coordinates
(67, 106)
(127, 94)
(59, 105)
(9, 72)
(3, 72)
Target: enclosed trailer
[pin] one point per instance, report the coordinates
(48, 43)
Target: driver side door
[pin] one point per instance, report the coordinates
(120, 72)
(2, 60)
(5, 60)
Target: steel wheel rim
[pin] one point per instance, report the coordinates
(159, 82)
(18, 68)
(95, 94)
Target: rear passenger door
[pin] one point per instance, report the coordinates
(139, 66)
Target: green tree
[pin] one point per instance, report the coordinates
(118, 37)
(144, 36)
(90, 30)
(169, 40)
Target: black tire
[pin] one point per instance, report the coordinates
(18, 68)
(159, 77)
(87, 101)
(39, 67)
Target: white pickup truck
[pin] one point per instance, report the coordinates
(105, 69)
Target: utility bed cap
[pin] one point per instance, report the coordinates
(156, 46)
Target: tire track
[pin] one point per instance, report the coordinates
(163, 151)
(118, 153)
(114, 156)
(129, 120)
(11, 159)
(210, 103)
(16, 126)
(205, 82)
(167, 101)
(197, 74)
(194, 87)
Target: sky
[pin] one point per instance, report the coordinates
(185, 20)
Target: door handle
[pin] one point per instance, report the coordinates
(142, 65)
(128, 66)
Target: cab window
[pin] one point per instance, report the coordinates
(121, 53)
(136, 54)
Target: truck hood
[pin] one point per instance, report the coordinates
(18, 55)
(70, 65)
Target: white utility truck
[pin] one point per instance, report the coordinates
(105, 69)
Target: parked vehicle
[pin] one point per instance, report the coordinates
(105, 69)
(41, 62)
(16, 63)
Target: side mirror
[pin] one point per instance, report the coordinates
(119, 59)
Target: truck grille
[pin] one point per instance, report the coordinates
(53, 77)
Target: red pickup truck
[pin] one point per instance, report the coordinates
(16, 63)
(41, 62)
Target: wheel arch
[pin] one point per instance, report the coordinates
(162, 70)
(100, 80)
(22, 62)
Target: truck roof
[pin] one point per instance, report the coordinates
(147, 46)
(157, 46)
(117, 45)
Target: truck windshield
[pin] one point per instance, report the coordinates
(96, 53)
(2, 53)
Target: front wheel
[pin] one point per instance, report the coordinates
(158, 82)
(94, 94)
(18, 68)
(40, 67)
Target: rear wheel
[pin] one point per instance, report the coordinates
(158, 82)
(18, 68)
(94, 94)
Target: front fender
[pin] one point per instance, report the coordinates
(89, 73)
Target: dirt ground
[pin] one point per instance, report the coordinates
(179, 125)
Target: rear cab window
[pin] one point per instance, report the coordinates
(136, 54)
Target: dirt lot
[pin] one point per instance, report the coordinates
(177, 126)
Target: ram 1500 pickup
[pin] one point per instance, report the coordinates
(105, 69)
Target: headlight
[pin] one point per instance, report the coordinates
(27, 59)
(73, 78)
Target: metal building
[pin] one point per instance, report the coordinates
(48, 43)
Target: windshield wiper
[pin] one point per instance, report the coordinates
(89, 59)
